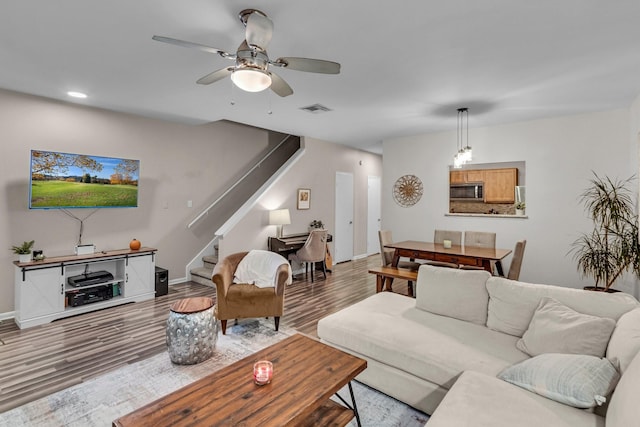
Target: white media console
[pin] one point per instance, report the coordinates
(43, 291)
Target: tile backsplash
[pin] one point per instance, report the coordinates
(482, 208)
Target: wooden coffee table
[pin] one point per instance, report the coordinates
(306, 373)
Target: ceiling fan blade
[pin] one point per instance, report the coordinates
(259, 30)
(192, 45)
(279, 86)
(308, 65)
(215, 76)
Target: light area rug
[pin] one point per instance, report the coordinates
(99, 401)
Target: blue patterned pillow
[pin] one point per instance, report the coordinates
(577, 380)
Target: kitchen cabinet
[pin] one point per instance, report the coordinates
(466, 176)
(499, 185)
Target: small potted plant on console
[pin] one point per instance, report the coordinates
(24, 251)
(316, 224)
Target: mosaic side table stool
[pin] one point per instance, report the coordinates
(192, 330)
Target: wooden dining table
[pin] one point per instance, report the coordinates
(464, 255)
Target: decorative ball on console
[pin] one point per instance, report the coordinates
(134, 245)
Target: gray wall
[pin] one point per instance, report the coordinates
(178, 163)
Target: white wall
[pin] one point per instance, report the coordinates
(560, 154)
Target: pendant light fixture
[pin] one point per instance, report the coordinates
(464, 152)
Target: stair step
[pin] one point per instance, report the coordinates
(211, 259)
(202, 275)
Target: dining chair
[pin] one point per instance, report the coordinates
(516, 261)
(439, 236)
(480, 239)
(314, 250)
(386, 237)
(386, 255)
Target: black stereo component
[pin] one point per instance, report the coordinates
(89, 295)
(162, 281)
(88, 279)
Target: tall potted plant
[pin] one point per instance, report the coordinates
(612, 247)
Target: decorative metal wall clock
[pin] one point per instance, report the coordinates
(407, 190)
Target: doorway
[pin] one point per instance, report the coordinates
(373, 214)
(343, 238)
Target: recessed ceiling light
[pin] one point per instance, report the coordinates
(77, 94)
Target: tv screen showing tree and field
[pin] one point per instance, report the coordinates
(65, 180)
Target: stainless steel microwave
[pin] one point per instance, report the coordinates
(469, 192)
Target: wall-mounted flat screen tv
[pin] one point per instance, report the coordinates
(66, 180)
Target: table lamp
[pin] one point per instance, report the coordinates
(279, 217)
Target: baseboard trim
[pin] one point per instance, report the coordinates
(8, 315)
(178, 281)
(357, 257)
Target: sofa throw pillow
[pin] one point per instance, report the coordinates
(450, 292)
(625, 340)
(577, 380)
(556, 328)
(512, 303)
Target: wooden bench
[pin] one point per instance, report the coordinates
(387, 274)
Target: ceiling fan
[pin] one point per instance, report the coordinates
(251, 71)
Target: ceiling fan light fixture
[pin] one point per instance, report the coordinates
(251, 80)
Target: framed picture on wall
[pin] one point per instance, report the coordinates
(304, 198)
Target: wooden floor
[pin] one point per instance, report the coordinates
(38, 361)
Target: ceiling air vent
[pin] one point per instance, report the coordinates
(316, 108)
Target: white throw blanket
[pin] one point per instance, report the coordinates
(259, 268)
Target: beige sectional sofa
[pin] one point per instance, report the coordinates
(442, 352)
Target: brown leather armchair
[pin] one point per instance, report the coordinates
(244, 300)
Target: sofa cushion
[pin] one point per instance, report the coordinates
(573, 379)
(387, 328)
(625, 340)
(480, 400)
(624, 410)
(461, 294)
(512, 303)
(555, 328)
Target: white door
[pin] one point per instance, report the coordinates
(373, 214)
(343, 236)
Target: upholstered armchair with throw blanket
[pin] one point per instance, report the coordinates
(251, 284)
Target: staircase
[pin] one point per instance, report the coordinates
(203, 274)
(282, 152)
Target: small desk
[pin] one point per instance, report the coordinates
(306, 373)
(289, 244)
(466, 255)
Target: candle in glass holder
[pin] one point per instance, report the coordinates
(446, 244)
(262, 372)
